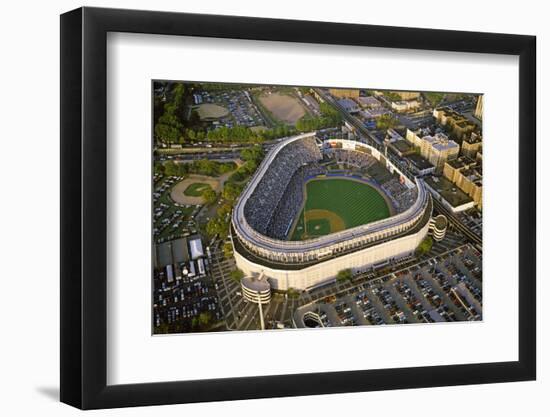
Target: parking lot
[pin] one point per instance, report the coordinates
(444, 288)
(241, 109)
(170, 220)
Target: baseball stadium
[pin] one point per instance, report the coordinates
(314, 208)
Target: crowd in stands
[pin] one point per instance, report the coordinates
(402, 197)
(356, 159)
(263, 203)
(278, 197)
(292, 201)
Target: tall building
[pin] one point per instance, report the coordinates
(344, 92)
(437, 149)
(467, 174)
(471, 145)
(459, 124)
(479, 107)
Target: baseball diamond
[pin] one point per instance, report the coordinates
(343, 202)
(299, 224)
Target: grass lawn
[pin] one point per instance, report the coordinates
(196, 189)
(347, 204)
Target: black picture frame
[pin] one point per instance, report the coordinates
(84, 207)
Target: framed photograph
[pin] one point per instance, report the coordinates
(257, 208)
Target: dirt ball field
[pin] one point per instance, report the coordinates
(285, 108)
(178, 191)
(210, 111)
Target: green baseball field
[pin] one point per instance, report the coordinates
(334, 204)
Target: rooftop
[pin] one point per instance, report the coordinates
(402, 145)
(348, 104)
(440, 222)
(369, 101)
(172, 252)
(461, 162)
(441, 142)
(419, 162)
(449, 191)
(473, 138)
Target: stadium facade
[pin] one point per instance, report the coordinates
(269, 204)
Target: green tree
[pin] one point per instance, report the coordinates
(233, 134)
(191, 135)
(205, 318)
(159, 168)
(434, 98)
(330, 117)
(344, 275)
(392, 96)
(169, 128)
(293, 293)
(227, 250)
(254, 153)
(237, 275)
(231, 191)
(183, 169)
(217, 227)
(425, 246)
(386, 121)
(224, 210)
(167, 133)
(209, 196)
(171, 168)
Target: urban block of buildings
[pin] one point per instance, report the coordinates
(404, 106)
(459, 124)
(349, 105)
(368, 102)
(437, 149)
(344, 92)
(467, 174)
(471, 145)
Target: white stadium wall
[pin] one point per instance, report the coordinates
(327, 270)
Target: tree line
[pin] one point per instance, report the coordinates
(200, 167)
(232, 189)
(329, 117)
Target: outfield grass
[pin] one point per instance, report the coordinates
(352, 202)
(196, 189)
